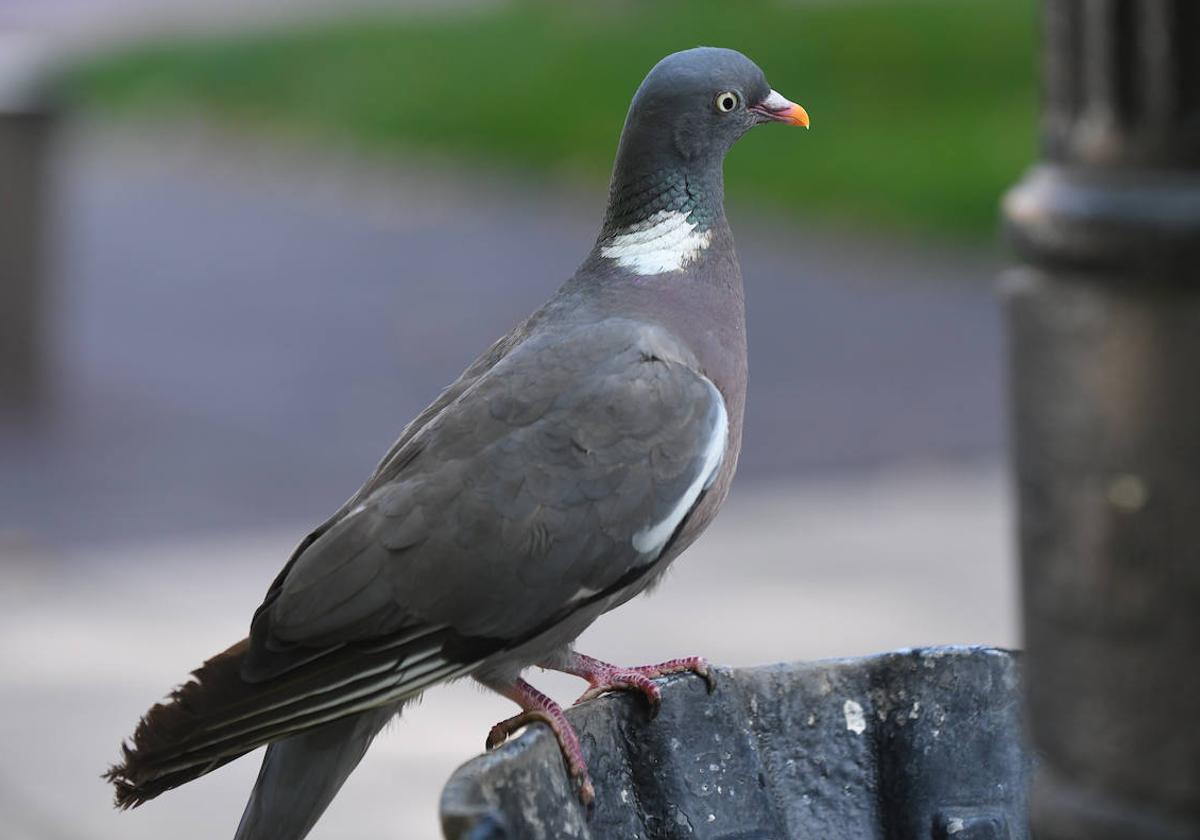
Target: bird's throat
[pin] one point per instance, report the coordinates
(660, 220)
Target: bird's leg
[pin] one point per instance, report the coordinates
(539, 707)
(604, 677)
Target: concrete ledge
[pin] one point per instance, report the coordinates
(913, 743)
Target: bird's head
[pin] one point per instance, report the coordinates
(667, 189)
(695, 104)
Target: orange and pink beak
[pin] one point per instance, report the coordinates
(781, 109)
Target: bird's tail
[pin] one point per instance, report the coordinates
(147, 769)
(300, 775)
(218, 715)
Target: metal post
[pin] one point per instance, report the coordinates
(24, 134)
(1104, 320)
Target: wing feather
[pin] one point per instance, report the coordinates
(567, 464)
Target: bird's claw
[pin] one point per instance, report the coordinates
(602, 678)
(541, 709)
(587, 794)
(503, 730)
(605, 678)
(626, 680)
(697, 665)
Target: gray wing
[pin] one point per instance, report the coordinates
(392, 462)
(560, 473)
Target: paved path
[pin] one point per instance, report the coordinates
(835, 567)
(239, 337)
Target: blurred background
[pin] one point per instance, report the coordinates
(271, 231)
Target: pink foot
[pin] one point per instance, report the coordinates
(605, 677)
(540, 708)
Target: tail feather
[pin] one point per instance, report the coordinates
(301, 774)
(218, 716)
(135, 779)
(309, 699)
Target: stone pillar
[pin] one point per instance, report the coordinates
(24, 138)
(1104, 321)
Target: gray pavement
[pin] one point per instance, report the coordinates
(836, 566)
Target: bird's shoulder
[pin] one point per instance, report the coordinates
(535, 375)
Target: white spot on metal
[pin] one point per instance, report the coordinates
(1128, 493)
(954, 825)
(855, 721)
(650, 540)
(666, 241)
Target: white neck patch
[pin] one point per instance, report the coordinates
(666, 241)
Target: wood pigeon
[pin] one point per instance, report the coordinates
(554, 480)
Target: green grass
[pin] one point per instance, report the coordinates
(922, 110)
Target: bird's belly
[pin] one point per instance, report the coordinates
(508, 664)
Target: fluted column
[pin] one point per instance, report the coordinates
(1104, 320)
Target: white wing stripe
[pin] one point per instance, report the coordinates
(650, 540)
(287, 701)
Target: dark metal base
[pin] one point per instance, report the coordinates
(1107, 408)
(914, 744)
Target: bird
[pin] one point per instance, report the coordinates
(553, 481)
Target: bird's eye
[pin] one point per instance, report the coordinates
(727, 101)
